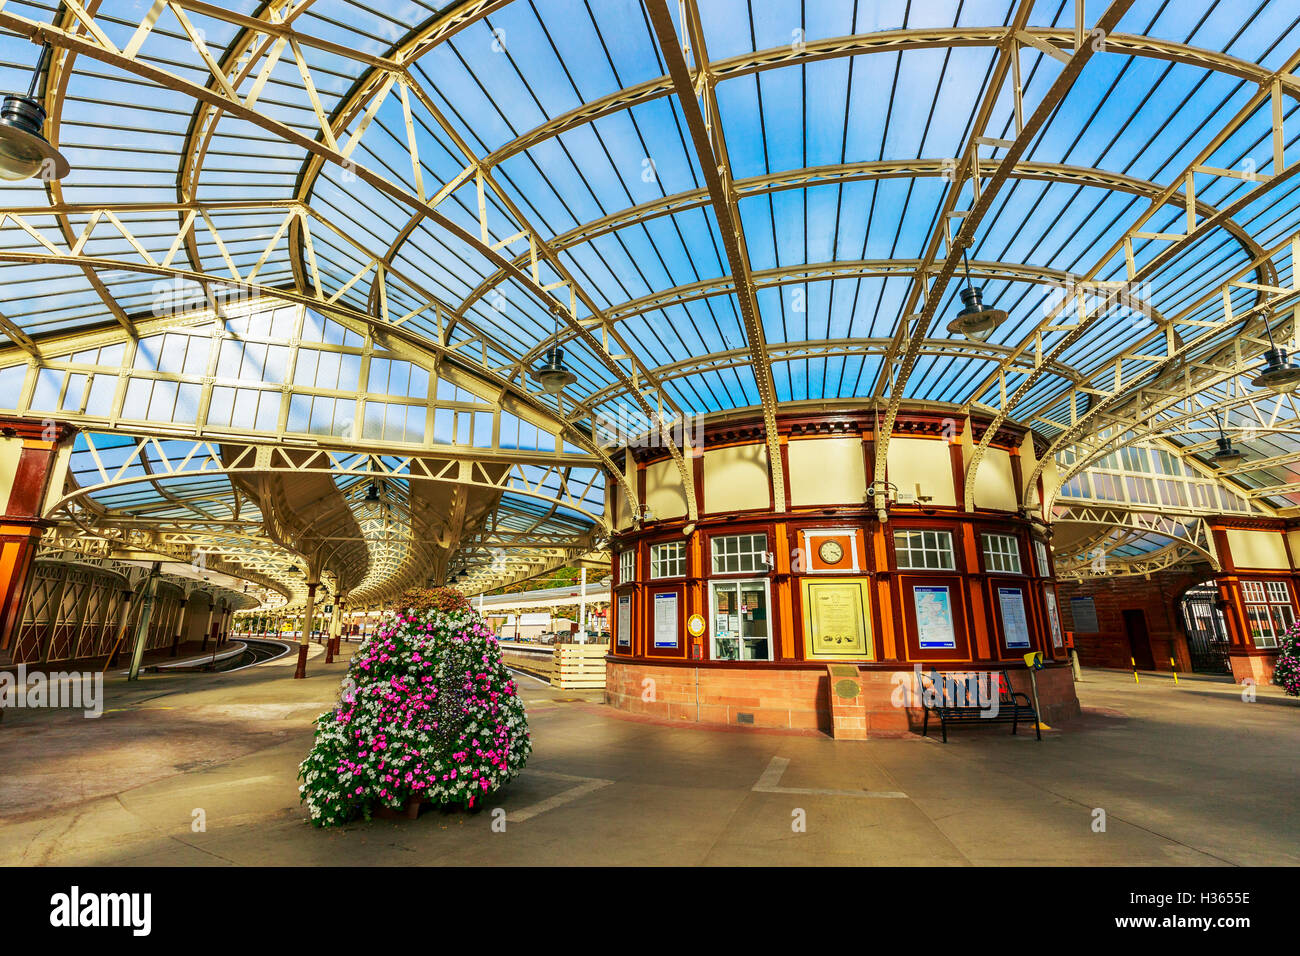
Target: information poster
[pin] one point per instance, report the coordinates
(666, 619)
(625, 620)
(1084, 612)
(934, 627)
(1053, 618)
(1015, 626)
(836, 614)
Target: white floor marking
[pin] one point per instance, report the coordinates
(587, 785)
(770, 780)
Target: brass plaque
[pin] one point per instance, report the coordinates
(835, 618)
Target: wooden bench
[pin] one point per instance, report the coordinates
(960, 703)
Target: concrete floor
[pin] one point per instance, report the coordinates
(1186, 775)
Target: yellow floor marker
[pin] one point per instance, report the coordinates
(1173, 664)
(1135, 670)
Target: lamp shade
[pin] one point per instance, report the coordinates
(24, 150)
(1227, 453)
(1279, 372)
(552, 375)
(974, 321)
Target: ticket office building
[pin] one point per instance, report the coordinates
(734, 618)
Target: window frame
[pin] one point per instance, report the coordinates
(677, 562)
(939, 533)
(1261, 594)
(762, 564)
(991, 557)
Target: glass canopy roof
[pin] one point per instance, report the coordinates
(482, 179)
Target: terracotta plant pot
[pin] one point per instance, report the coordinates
(408, 811)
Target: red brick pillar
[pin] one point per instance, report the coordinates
(32, 463)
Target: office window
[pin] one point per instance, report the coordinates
(736, 553)
(740, 621)
(1040, 552)
(626, 566)
(924, 550)
(1001, 553)
(1268, 608)
(668, 560)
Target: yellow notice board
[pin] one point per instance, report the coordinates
(836, 615)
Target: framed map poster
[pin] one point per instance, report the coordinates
(934, 627)
(835, 618)
(1015, 626)
(625, 620)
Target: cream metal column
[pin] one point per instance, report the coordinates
(304, 641)
(180, 625)
(142, 624)
(331, 629)
(123, 620)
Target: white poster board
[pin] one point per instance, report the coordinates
(1015, 626)
(625, 620)
(1053, 618)
(665, 605)
(934, 626)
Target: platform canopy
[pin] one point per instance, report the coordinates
(310, 253)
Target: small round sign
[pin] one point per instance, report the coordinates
(695, 625)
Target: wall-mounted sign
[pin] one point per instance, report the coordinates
(934, 627)
(696, 624)
(625, 620)
(1015, 626)
(1084, 612)
(835, 618)
(665, 618)
(1053, 617)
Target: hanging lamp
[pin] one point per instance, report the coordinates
(24, 150)
(975, 321)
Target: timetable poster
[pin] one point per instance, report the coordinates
(666, 619)
(1015, 626)
(625, 620)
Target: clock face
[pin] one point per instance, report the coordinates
(831, 552)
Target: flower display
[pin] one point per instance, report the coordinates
(428, 713)
(1286, 669)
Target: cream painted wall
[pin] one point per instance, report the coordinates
(736, 478)
(995, 484)
(664, 495)
(925, 462)
(11, 450)
(1257, 549)
(827, 471)
(1293, 543)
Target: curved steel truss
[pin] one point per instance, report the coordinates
(708, 215)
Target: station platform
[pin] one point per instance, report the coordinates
(200, 769)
